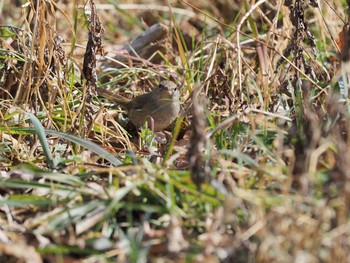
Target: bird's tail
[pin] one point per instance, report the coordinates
(113, 97)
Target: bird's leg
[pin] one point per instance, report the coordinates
(150, 123)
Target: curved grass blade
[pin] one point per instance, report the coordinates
(72, 138)
(40, 131)
(88, 145)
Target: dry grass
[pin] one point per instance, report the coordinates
(256, 168)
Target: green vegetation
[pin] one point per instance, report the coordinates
(256, 168)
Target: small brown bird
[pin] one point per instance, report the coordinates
(161, 104)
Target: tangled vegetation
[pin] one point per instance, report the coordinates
(254, 169)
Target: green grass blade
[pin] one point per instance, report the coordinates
(88, 145)
(40, 132)
(72, 138)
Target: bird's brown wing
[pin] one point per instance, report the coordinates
(140, 102)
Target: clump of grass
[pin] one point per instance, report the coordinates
(78, 184)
